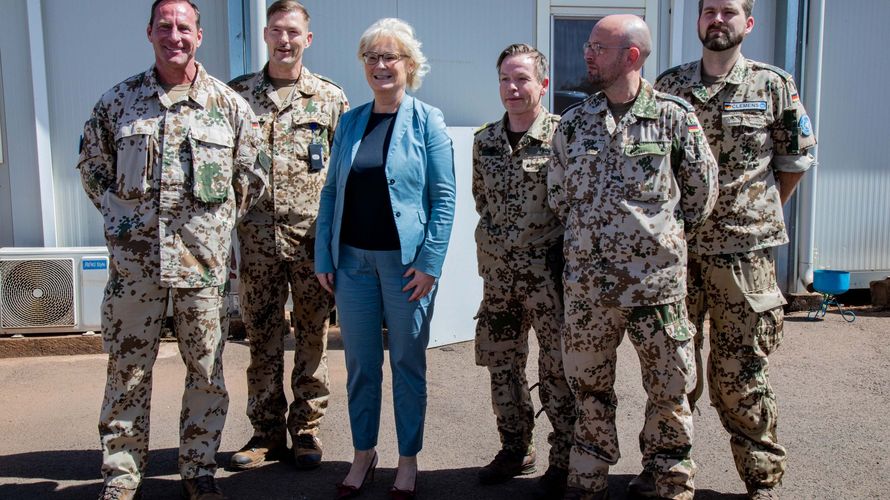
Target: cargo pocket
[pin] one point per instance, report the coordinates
(766, 334)
(137, 149)
(483, 356)
(212, 150)
(670, 318)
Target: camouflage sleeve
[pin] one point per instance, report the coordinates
(341, 107)
(556, 194)
(97, 156)
(792, 132)
(696, 171)
(250, 178)
(478, 184)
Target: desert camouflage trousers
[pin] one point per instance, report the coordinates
(264, 281)
(525, 296)
(132, 316)
(740, 294)
(662, 337)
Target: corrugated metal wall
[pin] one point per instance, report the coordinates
(19, 165)
(853, 193)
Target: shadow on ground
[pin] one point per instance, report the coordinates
(271, 481)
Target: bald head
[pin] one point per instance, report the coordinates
(627, 30)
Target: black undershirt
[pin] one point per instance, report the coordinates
(514, 138)
(368, 221)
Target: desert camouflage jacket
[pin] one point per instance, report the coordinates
(309, 115)
(628, 193)
(169, 178)
(510, 189)
(756, 126)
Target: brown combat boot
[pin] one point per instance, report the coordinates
(201, 488)
(257, 451)
(307, 452)
(111, 492)
(508, 464)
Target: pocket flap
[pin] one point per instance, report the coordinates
(659, 148)
(765, 300)
(581, 148)
(321, 119)
(135, 128)
(751, 120)
(535, 164)
(214, 135)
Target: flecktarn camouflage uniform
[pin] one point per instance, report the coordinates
(277, 241)
(756, 126)
(169, 179)
(520, 260)
(628, 193)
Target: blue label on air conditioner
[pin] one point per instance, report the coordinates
(89, 264)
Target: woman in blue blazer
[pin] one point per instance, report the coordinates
(383, 226)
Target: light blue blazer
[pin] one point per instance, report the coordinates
(420, 176)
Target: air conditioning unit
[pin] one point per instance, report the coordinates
(52, 290)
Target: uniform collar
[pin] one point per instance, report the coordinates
(540, 130)
(644, 105)
(736, 76)
(307, 85)
(198, 92)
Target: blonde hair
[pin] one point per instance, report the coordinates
(403, 34)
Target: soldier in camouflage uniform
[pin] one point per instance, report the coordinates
(631, 176)
(760, 133)
(519, 249)
(169, 159)
(298, 112)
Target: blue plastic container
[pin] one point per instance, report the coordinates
(831, 282)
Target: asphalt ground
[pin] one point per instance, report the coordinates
(832, 379)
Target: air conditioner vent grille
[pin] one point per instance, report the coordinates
(36, 293)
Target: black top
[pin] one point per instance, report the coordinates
(368, 222)
(515, 137)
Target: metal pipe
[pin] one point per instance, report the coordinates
(812, 97)
(676, 31)
(258, 52)
(44, 155)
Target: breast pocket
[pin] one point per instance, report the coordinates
(749, 135)
(308, 128)
(648, 177)
(137, 151)
(212, 162)
(581, 171)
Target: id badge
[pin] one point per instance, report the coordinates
(315, 157)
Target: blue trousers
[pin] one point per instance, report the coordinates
(368, 288)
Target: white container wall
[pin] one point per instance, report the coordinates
(853, 193)
(462, 40)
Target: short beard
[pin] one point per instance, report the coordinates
(721, 41)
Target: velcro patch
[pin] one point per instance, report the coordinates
(806, 127)
(745, 106)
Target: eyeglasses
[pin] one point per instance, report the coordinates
(598, 48)
(389, 58)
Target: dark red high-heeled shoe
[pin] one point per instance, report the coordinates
(397, 494)
(349, 491)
